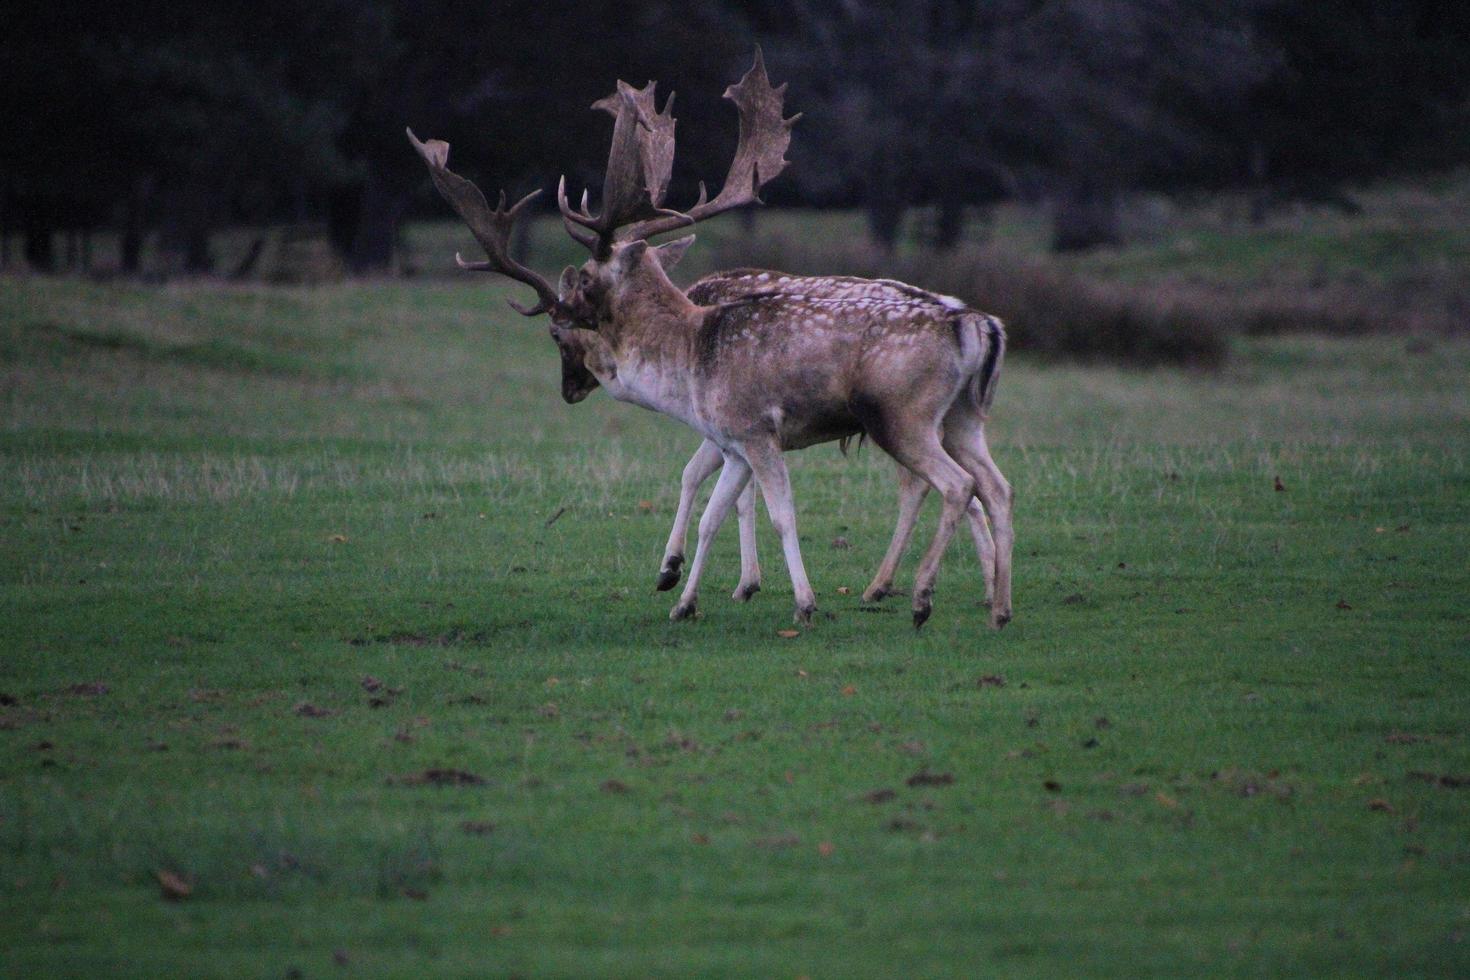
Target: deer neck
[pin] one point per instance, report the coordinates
(648, 331)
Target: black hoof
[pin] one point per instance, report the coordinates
(744, 593)
(999, 621)
(683, 612)
(876, 595)
(921, 616)
(668, 576)
(804, 615)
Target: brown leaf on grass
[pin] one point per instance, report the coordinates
(439, 777)
(788, 634)
(614, 786)
(1343, 604)
(1380, 805)
(879, 796)
(175, 887)
(913, 747)
(991, 680)
(337, 538)
(826, 848)
(926, 778)
(777, 842)
(370, 683)
(477, 827)
(698, 838)
(848, 690)
(548, 710)
(308, 710)
(840, 543)
(89, 690)
(403, 735)
(1166, 801)
(843, 590)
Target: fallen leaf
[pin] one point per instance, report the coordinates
(1166, 801)
(698, 838)
(926, 778)
(826, 848)
(614, 786)
(1380, 805)
(788, 634)
(991, 680)
(848, 690)
(779, 841)
(1343, 604)
(440, 777)
(839, 543)
(843, 590)
(175, 887)
(308, 710)
(370, 683)
(548, 710)
(337, 538)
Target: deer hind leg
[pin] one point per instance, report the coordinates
(706, 459)
(965, 437)
(915, 443)
(732, 481)
(750, 566)
(911, 493)
(770, 472)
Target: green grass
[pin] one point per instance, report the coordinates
(1217, 748)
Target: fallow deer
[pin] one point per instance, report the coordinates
(766, 372)
(578, 383)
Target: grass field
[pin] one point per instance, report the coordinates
(286, 624)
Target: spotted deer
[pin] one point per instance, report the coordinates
(578, 383)
(767, 371)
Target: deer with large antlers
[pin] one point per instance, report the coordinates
(768, 371)
(578, 383)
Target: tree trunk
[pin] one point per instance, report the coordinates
(1085, 216)
(40, 250)
(375, 236)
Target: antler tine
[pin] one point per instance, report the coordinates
(760, 154)
(639, 164)
(491, 228)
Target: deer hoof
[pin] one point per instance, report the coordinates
(668, 576)
(998, 619)
(744, 592)
(804, 615)
(876, 594)
(923, 606)
(684, 611)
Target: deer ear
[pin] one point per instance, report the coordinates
(669, 253)
(567, 283)
(631, 253)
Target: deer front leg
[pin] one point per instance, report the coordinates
(911, 492)
(750, 566)
(706, 459)
(770, 471)
(732, 481)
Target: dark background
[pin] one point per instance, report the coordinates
(166, 121)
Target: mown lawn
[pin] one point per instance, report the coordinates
(286, 623)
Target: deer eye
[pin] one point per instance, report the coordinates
(584, 279)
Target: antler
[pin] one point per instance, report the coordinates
(491, 228)
(642, 156)
(638, 167)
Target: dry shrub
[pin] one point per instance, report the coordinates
(1046, 309)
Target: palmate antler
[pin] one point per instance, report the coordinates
(491, 228)
(642, 157)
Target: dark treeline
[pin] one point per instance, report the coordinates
(156, 119)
